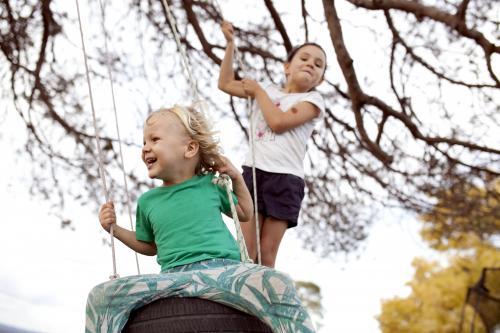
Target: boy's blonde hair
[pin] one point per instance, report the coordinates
(199, 130)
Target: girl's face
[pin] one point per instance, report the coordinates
(165, 146)
(305, 70)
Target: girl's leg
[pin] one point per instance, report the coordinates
(249, 233)
(272, 233)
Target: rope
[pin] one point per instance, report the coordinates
(185, 61)
(252, 142)
(122, 164)
(97, 139)
(197, 101)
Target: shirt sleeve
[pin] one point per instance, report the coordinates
(315, 98)
(143, 229)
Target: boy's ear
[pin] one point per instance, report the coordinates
(191, 149)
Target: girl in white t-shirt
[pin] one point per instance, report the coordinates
(284, 121)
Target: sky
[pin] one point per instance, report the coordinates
(47, 272)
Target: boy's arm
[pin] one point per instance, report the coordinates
(244, 208)
(107, 217)
(245, 204)
(227, 82)
(128, 238)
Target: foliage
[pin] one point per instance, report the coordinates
(310, 295)
(448, 224)
(438, 294)
(437, 299)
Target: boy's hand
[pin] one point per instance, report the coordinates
(244, 208)
(227, 30)
(251, 87)
(107, 215)
(228, 168)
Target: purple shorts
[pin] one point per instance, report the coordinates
(279, 194)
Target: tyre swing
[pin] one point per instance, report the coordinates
(218, 296)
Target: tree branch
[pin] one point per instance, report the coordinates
(193, 20)
(356, 95)
(397, 37)
(454, 22)
(279, 25)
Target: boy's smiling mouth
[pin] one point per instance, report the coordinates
(149, 161)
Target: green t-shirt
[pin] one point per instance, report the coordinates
(185, 222)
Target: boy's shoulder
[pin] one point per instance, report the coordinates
(147, 196)
(191, 182)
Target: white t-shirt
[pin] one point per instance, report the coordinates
(285, 152)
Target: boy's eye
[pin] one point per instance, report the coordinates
(155, 139)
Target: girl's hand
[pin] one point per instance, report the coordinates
(251, 87)
(228, 168)
(227, 30)
(107, 215)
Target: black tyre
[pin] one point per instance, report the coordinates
(176, 315)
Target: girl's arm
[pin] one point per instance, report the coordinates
(227, 82)
(107, 217)
(277, 120)
(244, 208)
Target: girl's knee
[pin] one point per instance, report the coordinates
(268, 257)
